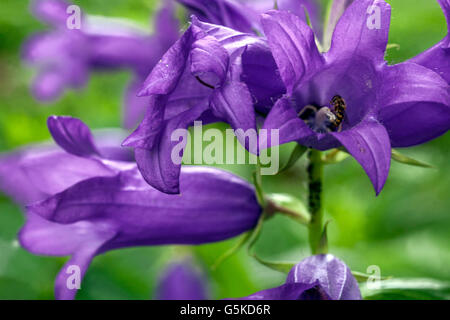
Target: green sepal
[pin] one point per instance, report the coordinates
(284, 267)
(397, 156)
(323, 243)
(227, 254)
(290, 206)
(296, 154)
(335, 156)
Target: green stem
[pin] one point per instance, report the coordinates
(315, 175)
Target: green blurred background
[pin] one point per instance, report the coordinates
(404, 231)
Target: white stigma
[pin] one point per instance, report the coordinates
(324, 117)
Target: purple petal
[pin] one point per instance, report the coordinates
(146, 135)
(362, 31)
(298, 7)
(284, 118)
(224, 12)
(234, 104)
(51, 11)
(337, 9)
(72, 135)
(83, 239)
(181, 281)
(48, 85)
(293, 46)
(146, 216)
(291, 291)
(167, 25)
(157, 164)
(415, 104)
(369, 144)
(134, 106)
(166, 74)
(40, 172)
(437, 58)
(230, 39)
(332, 274)
(260, 74)
(209, 61)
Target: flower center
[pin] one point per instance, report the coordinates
(322, 119)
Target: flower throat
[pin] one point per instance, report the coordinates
(325, 119)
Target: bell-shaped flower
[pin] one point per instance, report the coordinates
(197, 79)
(320, 277)
(349, 96)
(116, 208)
(182, 281)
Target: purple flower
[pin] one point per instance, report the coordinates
(197, 79)
(116, 208)
(244, 15)
(320, 277)
(437, 58)
(37, 172)
(349, 96)
(65, 57)
(182, 281)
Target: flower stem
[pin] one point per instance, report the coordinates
(315, 175)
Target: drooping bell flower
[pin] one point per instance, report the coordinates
(65, 57)
(437, 58)
(106, 213)
(197, 79)
(118, 209)
(182, 281)
(349, 96)
(320, 277)
(36, 172)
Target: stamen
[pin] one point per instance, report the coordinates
(325, 119)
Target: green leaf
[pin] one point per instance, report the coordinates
(403, 289)
(296, 154)
(397, 156)
(284, 267)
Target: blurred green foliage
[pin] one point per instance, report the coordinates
(405, 231)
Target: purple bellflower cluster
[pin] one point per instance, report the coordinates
(323, 84)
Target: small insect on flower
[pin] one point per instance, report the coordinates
(339, 107)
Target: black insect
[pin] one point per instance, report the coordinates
(339, 107)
